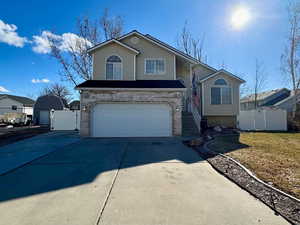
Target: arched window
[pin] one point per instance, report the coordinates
(221, 93)
(114, 68)
(220, 82)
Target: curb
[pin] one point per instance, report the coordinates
(250, 173)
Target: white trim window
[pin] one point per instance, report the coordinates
(221, 93)
(114, 68)
(155, 66)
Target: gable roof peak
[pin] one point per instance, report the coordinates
(221, 71)
(163, 45)
(110, 41)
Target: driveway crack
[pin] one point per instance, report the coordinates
(113, 183)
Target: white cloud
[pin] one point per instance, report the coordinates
(2, 89)
(65, 42)
(9, 35)
(36, 81)
(41, 43)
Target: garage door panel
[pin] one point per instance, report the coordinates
(131, 120)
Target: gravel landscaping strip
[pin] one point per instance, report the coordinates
(282, 204)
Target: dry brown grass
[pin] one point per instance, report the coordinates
(273, 157)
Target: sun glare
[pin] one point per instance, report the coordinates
(240, 17)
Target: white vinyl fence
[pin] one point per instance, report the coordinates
(263, 119)
(65, 120)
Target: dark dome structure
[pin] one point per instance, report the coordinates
(43, 106)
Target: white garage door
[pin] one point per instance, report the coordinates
(44, 117)
(131, 120)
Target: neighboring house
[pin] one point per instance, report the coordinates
(74, 105)
(140, 86)
(12, 103)
(267, 98)
(43, 106)
(282, 98)
(289, 103)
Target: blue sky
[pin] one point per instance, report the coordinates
(263, 37)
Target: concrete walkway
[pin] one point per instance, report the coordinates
(19, 153)
(128, 182)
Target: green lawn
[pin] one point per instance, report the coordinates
(273, 157)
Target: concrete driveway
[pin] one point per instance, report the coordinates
(126, 182)
(22, 152)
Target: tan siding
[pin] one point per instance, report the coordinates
(201, 71)
(149, 50)
(103, 53)
(226, 110)
(183, 73)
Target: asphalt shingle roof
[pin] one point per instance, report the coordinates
(261, 95)
(24, 100)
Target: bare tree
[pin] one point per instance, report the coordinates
(30, 95)
(260, 79)
(244, 87)
(76, 63)
(223, 65)
(190, 45)
(58, 90)
(111, 26)
(290, 59)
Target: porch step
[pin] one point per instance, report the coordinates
(189, 127)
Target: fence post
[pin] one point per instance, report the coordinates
(265, 119)
(254, 116)
(52, 111)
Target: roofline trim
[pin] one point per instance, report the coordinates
(3, 96)
(130, 89)
(110, 41)
(182, 54)
(248, 98)
(222, 71)
(288, 98)
(193, 61)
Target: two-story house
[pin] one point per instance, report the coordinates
(141, 86)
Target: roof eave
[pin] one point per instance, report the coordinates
(222, 71)
(130, 89)
(91, 50)
(193, 61)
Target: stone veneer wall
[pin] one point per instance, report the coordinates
(227, 121)
(90, 98)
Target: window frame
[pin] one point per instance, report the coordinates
(226, 83)
(121, 63)
(14, 107)
(155, 72)
(221, 95)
